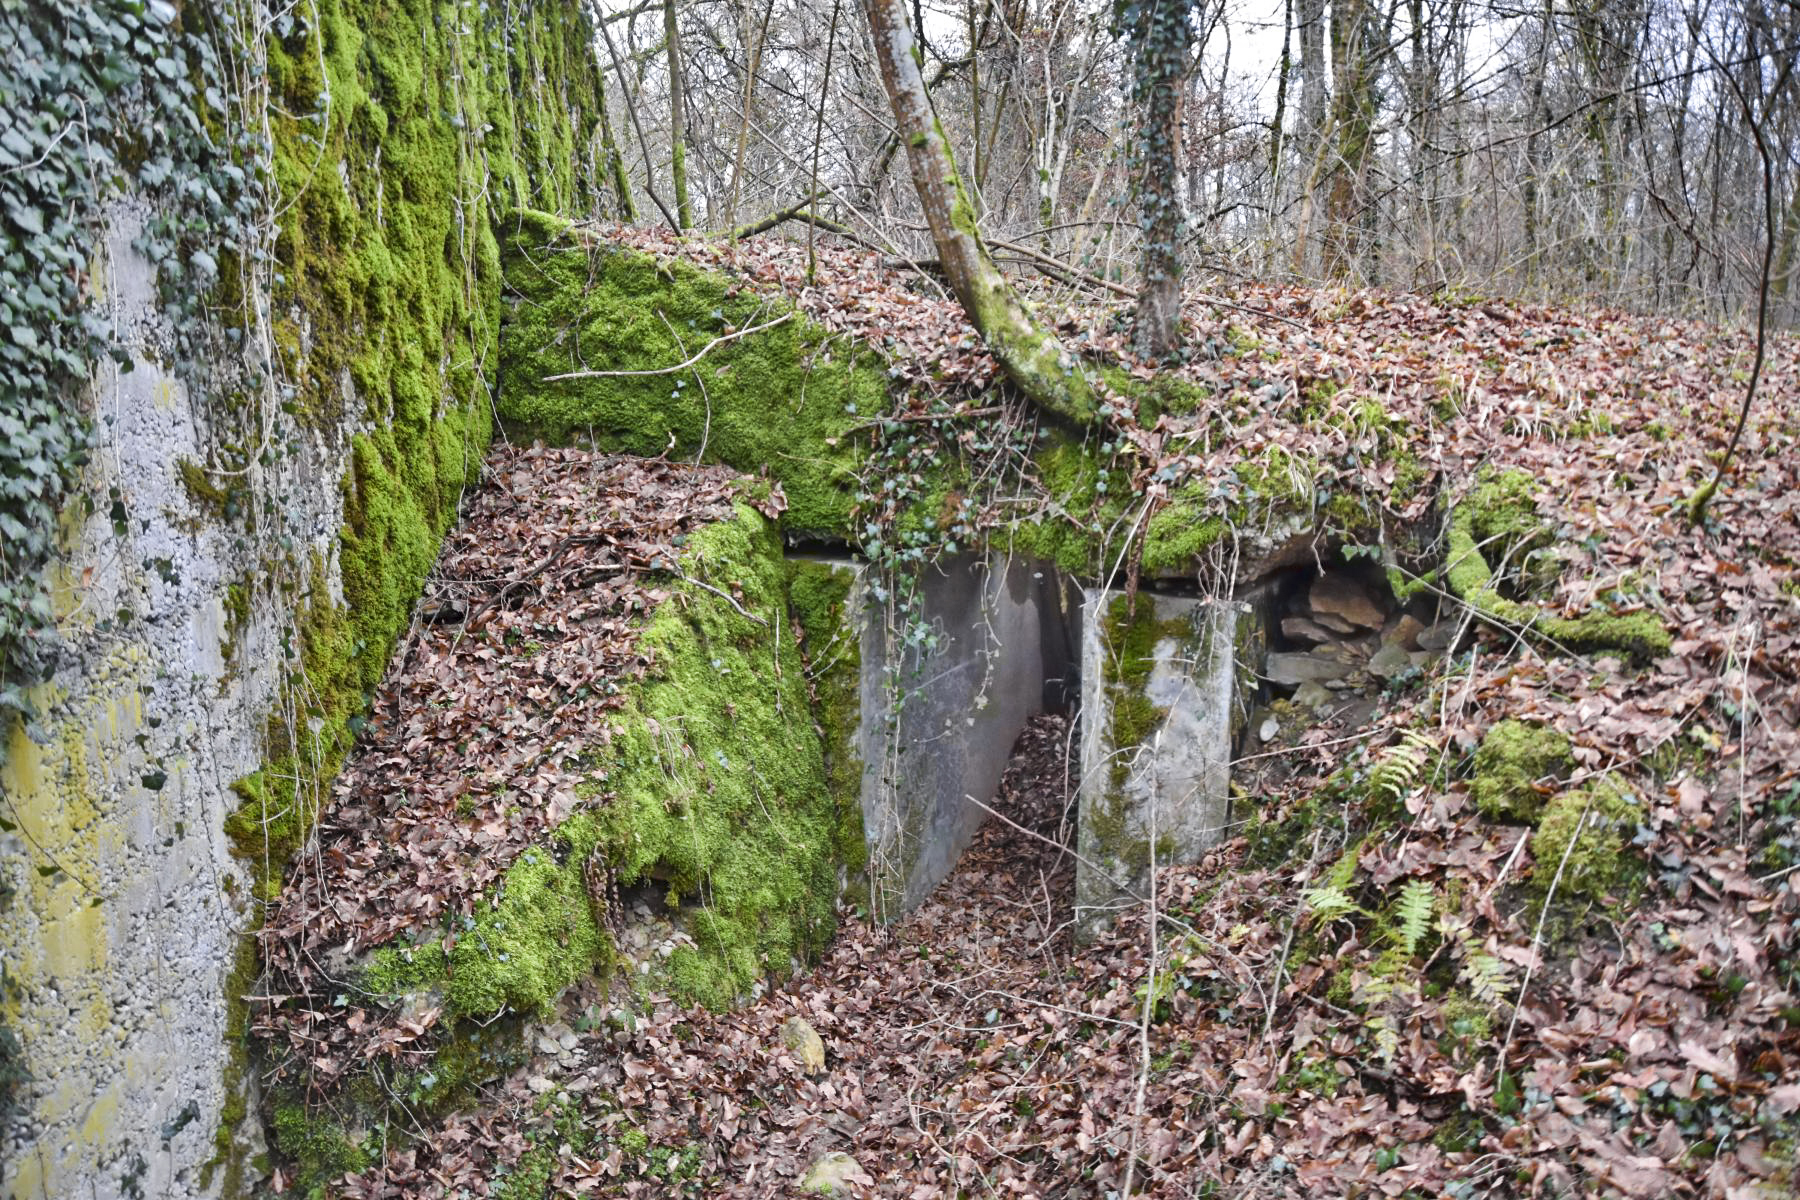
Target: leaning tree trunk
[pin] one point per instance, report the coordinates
(1039, 366)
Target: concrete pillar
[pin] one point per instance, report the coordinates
(1166, 689)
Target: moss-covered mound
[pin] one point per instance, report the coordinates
(1498, 523)
(714, 788)
(782, 400)
(1582, 845)
(1513, 761)
(650, 353)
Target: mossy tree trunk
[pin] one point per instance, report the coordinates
(615, 162)
(1048, 374)
(1355, 42)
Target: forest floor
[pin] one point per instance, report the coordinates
(1397, 980)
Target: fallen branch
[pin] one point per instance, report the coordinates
(680, 366)
(1056, 266)
(907, 418)
(795, 212)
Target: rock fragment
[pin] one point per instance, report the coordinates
(834, 1174)
(801, 1038)
(1340, 598)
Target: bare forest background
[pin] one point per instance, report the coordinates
(1633, 152)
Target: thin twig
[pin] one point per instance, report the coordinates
(723, 595)
(680, 366)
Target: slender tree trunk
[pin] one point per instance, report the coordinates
(615, 163)
(812, 261)
(1535, 118)
(684, 215)
(753, 49)
(1310, 132)
(1049, 375)
(1277, 125)
(1353, 120)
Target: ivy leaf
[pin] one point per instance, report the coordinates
(29, 219)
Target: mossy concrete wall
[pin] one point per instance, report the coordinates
(1166, 686)
(943, 690)
(239, 565)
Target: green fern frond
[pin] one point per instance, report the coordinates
(1387, 1038)
(1401, 767)
(1328, 902)
(1488, 978)
(1414, 911)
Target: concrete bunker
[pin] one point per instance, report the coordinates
(1168, 691)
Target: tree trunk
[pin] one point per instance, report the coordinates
(1281, 90)
(1030, 357)
(615, 164)
(684, 215)
(1353, 119)
(1159, 42)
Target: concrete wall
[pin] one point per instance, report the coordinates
(939, 717)
(1161, 794)
(130, 907)
(124, 934)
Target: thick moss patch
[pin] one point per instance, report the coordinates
(1582, 845)
(713, 787)
(782, 401)
(388, 303)
(1512, 762)
(820, 596)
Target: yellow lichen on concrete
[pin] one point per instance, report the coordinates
(57, 940)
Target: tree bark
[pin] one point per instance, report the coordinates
(1048, 374)
(684, 215)
(1159, 40)
(1353, 104)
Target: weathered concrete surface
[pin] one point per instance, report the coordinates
(1164, 799)
(128, 908)
(991, 645)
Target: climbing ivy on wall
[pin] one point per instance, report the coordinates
(99, 98)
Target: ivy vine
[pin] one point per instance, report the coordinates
(99, 100)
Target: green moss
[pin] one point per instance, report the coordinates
(1502, 513)
(1160, 394)
(307, 737)
(399, 131)
(317, 1148)
(720, 786)
(1585, 835)
(1079, 510)
(221, 502)
(227, 1162)
(1499, 520)
(783, 401)
(1130, 637)
(1511, 761)
(1198, 516)
(1182, 530)
(389, 298)
(818, 596)
(715, 786)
